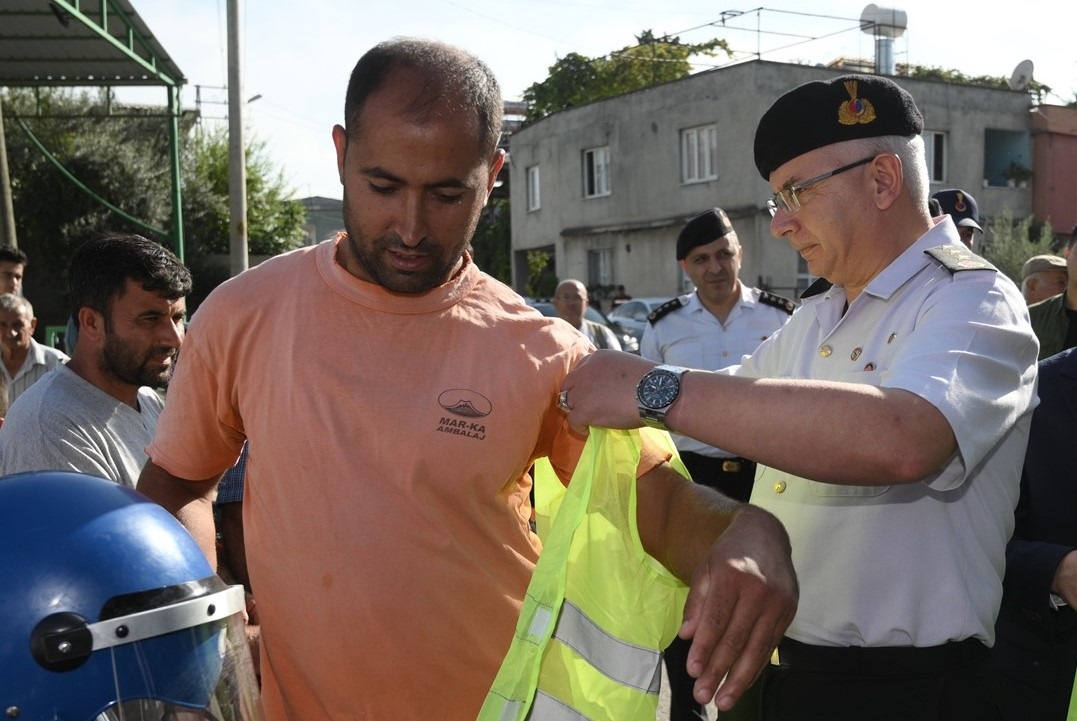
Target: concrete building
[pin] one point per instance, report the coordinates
(604, 188)
(324, 218)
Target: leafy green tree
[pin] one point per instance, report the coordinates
(576, 79)
(491, 243)
(1014, 243)
(109, 156)
(540, 283)
(274, 219)
(924, 72)
(124, 161)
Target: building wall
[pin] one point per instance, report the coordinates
(1054, 157)
(324, 218)
(649, 204)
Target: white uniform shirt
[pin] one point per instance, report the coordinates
(692, 337)
(916, 564)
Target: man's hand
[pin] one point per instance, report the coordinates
(602, 390)
(1065, 581)
(742, 599)
(738, 561)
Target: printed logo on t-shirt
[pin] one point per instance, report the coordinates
(469, 406)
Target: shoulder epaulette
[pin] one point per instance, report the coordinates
(663, 310)
(777, 301)
(955, 258)
(821, 285)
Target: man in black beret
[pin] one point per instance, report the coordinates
(963, 210)
(718, 323)
(888, 416)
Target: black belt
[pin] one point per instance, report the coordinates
(881, 660)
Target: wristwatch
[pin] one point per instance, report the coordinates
(656, 392)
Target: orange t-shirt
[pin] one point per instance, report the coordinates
(386, 505)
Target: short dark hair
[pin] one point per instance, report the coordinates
(101, 267)
(11, 254)
(453, 78)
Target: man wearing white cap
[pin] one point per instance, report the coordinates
(1053, 318)
(1043, 276)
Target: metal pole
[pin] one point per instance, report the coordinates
(175, 171)
(8, 210)
(237, 166)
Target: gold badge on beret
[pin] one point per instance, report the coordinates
(855, 110)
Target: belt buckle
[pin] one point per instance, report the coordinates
(731, 465)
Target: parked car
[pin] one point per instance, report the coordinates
(628, 341)
(632, 315)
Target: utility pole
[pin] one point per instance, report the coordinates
(237, 165)
(7, 209)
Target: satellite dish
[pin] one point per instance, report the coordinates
(1022, 75)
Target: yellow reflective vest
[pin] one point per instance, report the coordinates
(599, 610)
(1072, 715)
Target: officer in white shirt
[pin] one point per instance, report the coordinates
(712, 327)
(889, 417)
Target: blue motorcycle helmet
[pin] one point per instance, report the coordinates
(110, 610)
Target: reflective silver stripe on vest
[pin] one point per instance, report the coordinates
(510, 710)
(547, 708)
(626, 664)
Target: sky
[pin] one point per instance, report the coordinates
(296, 56)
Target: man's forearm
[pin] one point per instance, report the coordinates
(678, 520)
(189, 501)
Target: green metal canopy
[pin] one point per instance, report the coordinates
(90, 43)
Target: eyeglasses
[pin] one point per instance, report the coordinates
(786, 199)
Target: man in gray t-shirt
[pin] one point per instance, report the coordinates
(97, 413)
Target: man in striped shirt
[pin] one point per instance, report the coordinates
(24, 359)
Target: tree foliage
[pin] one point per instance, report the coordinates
(109, 156)
(124, 161)
(541, 282)
(1014, 243)
(577, 79)
(923, 72)
(492, 240)
(274, 220)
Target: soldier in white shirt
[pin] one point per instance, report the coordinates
(889, 417)
(712, 327)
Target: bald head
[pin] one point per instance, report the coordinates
(570, 301)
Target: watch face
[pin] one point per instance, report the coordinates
(659, 388)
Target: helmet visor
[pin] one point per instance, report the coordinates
(202, 671)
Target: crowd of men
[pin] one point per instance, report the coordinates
(850, 536)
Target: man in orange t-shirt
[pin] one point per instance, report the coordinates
(394, 397)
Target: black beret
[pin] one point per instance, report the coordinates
(822, 113)
(707, 227)
(960, 206)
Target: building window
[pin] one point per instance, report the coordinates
(935, 148)
(534, 194)
(699, 154)
(599, 267)
(596, 172)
